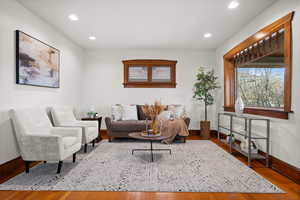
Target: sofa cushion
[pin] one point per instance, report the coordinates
(164, 115)
(177, 110)
(62, 115)
(31, 120)
(128, 125)
(116, 112)
(129, 112)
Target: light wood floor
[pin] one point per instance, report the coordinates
(292, 189)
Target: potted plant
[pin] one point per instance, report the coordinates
(205, 84)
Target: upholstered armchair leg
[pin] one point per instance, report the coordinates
(94, 143)
(74, 157)
(85, 148)
(60, 163)
(27, 166)
(109, 139)
(184, 140)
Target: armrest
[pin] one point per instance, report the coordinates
(62, 131)
(39, 146)
(88, 123)
(108, 122)
(80, 124)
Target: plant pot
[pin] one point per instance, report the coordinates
(205, 129)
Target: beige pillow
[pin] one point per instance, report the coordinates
(164, 115)
(178, 111)
(116, 112)
(129, 112)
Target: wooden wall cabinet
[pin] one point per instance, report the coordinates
(149, 73)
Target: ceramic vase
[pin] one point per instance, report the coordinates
(245, 146)
(239, 106)
(230, 139)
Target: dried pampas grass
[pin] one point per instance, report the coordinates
(153, 110)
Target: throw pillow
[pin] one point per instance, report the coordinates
(116, 112)
(164, 115)
(178, 111)
(141, 114)
(129, 112)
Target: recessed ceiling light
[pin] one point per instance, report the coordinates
(92, 38)
(233, 4)
(73, 17)
(207, 35)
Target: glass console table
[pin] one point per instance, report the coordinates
(247, 134)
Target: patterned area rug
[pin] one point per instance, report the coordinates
(196, 166)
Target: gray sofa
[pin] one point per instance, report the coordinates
(121, 129)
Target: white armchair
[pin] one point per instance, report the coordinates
(38, 140)
(64, 117)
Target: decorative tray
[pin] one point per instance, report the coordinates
(145, 134)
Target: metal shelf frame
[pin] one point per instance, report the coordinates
(248, 134)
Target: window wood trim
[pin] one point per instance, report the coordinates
(149, 64)
(229, 71)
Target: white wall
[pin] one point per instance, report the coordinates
(14, 16)
(103, 78)
(285, 137)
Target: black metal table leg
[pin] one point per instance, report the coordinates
(151, 150)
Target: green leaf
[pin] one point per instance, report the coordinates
(206, 82)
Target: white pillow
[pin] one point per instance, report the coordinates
(177, 110)
(129, 112)
(164, 115)
(116, 112)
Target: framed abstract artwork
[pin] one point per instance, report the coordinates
(37, 63)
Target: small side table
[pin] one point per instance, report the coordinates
(99, 119)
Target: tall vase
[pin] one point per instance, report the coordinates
(239, 106)
(154, 125)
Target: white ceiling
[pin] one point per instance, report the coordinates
(147, 23)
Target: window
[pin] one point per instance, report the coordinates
(161, 74)
(149, 74)
(259, 70)
(137, 74)
(261, 87)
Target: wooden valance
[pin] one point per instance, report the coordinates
(272, 43)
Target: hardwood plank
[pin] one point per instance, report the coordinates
(13, 168)
(276, 164)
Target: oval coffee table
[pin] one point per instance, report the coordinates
(139, 136)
